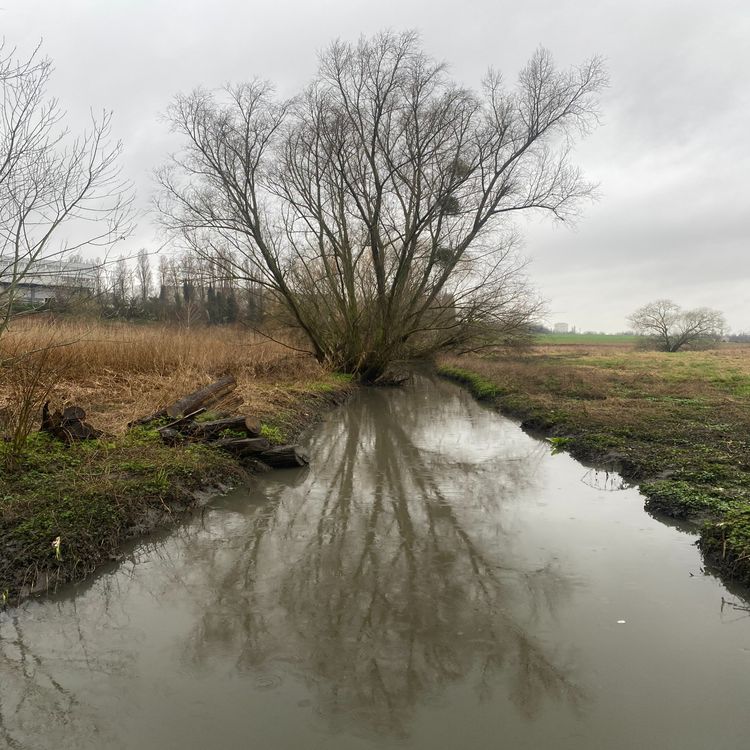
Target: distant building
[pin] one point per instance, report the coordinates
(47, 279)
(560, 328)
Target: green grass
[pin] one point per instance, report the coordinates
(92, 495)
(480, 387)
(557, 339)
(271, 432)
(336, 381)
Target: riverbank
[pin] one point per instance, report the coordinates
(94, 495)
(676, 424)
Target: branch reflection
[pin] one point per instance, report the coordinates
(387, 575)
(390, 571)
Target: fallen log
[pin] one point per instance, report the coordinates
(193, 403)
(284, 457)
(203, 397)
(141, 421)
(213, 429)
(242, 446)
(182, 421)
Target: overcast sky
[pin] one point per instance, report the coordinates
(671, 156)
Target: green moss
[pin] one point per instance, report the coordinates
(273, 433)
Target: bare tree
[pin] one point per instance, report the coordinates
(143, 274)
(120, 284)
(376, 205)
(673, 328)
(59, 193)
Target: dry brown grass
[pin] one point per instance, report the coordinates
(622, 385)
(118, 371)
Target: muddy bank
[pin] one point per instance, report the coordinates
(69, 508)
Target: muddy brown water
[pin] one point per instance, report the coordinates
(436, 580)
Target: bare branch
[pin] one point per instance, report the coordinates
(376, 205)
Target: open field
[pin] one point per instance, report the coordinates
(585, 339)
(95, 494)
(679, 424)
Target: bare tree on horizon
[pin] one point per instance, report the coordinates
(672, 328)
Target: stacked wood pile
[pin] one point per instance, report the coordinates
(237, 434)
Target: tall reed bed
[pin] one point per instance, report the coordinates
(118, 371)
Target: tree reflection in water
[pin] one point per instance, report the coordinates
(380, 577)
(386, 575)
(36, 700)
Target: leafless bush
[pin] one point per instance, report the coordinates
(31, 375)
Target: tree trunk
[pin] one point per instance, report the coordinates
(68, 426)
(243, 446)
(203, 397)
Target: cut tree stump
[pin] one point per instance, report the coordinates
(69, 425)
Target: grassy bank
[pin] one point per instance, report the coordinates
(678, 424)
(96, 494)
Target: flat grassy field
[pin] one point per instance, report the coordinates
(585, 339)
(95, 494)
(679, 424)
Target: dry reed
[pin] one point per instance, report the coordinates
(118, 371)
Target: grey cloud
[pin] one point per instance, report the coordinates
(674, 214)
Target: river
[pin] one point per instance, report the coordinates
(436, 580)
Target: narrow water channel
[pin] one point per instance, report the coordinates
(436, 580)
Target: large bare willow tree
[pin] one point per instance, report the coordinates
(376, 206)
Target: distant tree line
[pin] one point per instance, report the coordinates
(182, 288)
